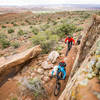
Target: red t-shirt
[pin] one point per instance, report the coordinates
(70, 40)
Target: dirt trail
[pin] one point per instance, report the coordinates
(11, 86)
(69, 61)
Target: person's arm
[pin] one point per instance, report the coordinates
(66, 40)
(73, 40)
(52, 72)
(64, 74)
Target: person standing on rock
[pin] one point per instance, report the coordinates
(71, 41)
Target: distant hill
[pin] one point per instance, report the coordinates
(55, 7)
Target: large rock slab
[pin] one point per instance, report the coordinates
(53, 56)
(12, 64)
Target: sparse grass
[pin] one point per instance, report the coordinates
(15, 44)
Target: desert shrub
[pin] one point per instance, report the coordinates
(35, 86)
(54, 22)
(14, 98)
(3, 41)
(46, 40)
(7, 22)
(22, 23)
(58, 48)
(98, 13)
(63, 29)
(14, 24)
(85, 16)
(31, 27)
(35, 30)
(15, 44)
(79, 29)
(2, 36)
(44, 27)
(10, 30)
(27, 21)
(3, 26)
(21, 32)
(58, 18)
(49, 19)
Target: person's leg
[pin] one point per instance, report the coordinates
(71, 43)
(67, 50)
(78, 42)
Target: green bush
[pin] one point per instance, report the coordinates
(85, 16)
(21, 32)
(27, 21)
(35, 30)
(15, 44)
(45, 27)
(7, 22)
(15, 24)
(14, 98)
(31, 27)
(35, 86)
(46, 40)
(3, 26)
(79, 29)
(54, 22)
(63, 29)
(12, 22)
(10, 30)
(3, 41)
(59, 48)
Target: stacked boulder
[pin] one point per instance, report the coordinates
(94, 65)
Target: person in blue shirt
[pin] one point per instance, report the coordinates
(60, 71)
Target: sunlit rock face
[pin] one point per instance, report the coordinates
(12, 64)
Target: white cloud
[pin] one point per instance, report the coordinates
(31, 2)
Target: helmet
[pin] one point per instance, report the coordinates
(69, 36)
(62, 64)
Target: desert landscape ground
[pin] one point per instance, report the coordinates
(24, 68)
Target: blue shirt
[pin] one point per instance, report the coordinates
(62, 69)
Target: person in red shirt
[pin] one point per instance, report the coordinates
(70, 42)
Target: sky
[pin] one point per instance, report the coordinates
(38, 2)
